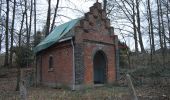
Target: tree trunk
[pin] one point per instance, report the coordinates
(35, 21)
(1, 26)
(104, 4)
(20, 32)
(162, 28)
(134, 29)
(163, 34)
(26, 20)
(159, 25)
(150, 36)
(12, 32)
(55, 13)
(0, 42)
(18, 77)
(47, 27)
(167, 15)
(151, 28)
(138, 28)
(6, 34)
(160, 31)
(30, 24)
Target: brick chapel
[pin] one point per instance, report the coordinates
(79, 53)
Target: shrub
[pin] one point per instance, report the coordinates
(24, 56)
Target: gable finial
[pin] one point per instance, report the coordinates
(96, 0)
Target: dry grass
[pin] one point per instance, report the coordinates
(102, 93)
(8, 84)
(45, 93)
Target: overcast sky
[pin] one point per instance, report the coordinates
(75, 5)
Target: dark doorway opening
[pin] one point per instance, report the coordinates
(99, 65)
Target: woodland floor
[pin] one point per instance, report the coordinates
(114, 92)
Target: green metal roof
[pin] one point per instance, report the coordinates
(56, 35)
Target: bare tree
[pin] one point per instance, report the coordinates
(35, 20)
(127, 7)
(162, 25)
(159, 24)
(0, 25)
(47, 26)
(104, 4)
(134, 27)
(12, 33)
(166, 12)
(149, 31)
(26, 22)
(0, 42)
(161, 31)
(30, 24)
(167, 15)
(150, 22)
(55, 13)
(19, 44)
(6, 34)
(138, 28)
(21, 28)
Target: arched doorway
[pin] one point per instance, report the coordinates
(99, 67)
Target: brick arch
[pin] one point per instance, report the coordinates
(99, 67)
(99, 50)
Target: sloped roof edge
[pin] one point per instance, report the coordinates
(56, 35)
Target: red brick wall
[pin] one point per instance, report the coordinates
(93, 42)
(104, 44)
(62, 58)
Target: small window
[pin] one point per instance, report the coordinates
(50, 62)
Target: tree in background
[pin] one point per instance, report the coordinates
(128, 13)
(12, 34)
(23, 14)
(150, 23)
(0, 25)
(47, 26)
(0, 42)
(30, 24)
(35, 21)
(24, 58)
(6, 34)
(104, 4)
(138, 26)
(38, 38)
(167, 5)
(162, 25)
(55, 13)
(159, 25)
(123, 49)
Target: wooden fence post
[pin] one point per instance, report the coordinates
(131, 87)
(22, 89)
